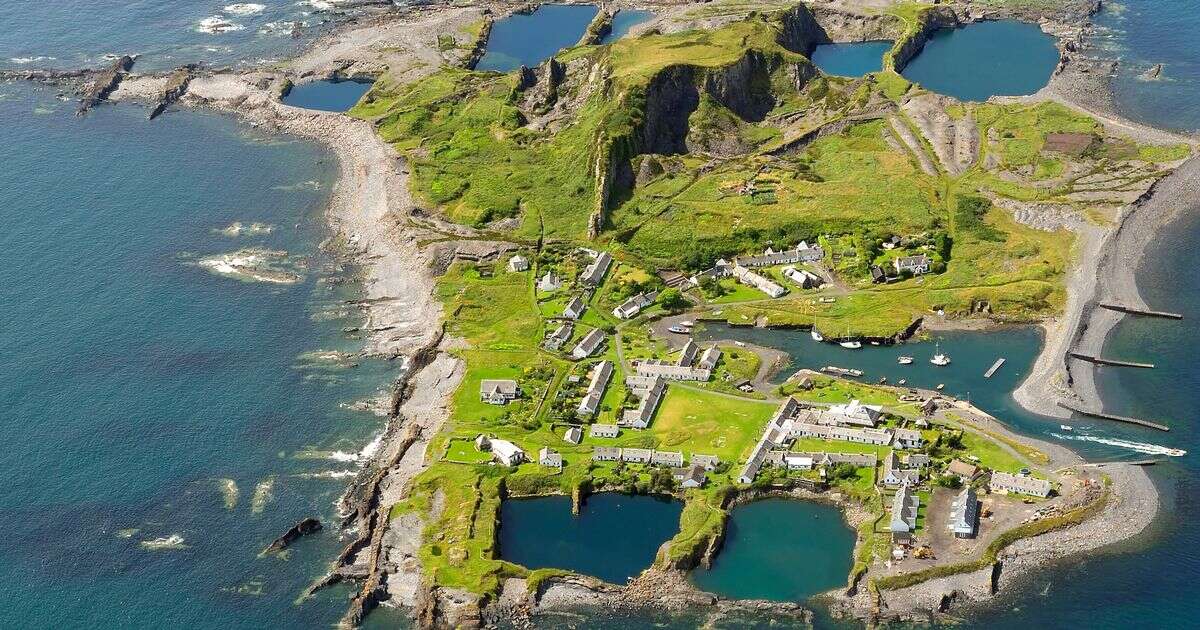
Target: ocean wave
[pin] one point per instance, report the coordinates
(174, 541)
(27, 60)
(1140, 447)
(310, 184)
(237, 228)
(259, 265)
(262, 495)
(328, 474)
(244, 8)
(229, 491)
(216, 24)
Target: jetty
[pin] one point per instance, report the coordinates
(995, 366)
(1121, 308)
(1113, 416)
(1114, 362)
(833, 369)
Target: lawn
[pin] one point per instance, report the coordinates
(992, 455)
(464, 452)
(695, 421)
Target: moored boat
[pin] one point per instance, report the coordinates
(816, 335)
(939, 359)
(904, 360)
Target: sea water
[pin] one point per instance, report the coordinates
(38, 33)
(166, 414)
(624, 20)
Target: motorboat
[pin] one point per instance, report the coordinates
(680, 330)
(1066, 427)
(904, 360)
(939, 359)
(688, 324)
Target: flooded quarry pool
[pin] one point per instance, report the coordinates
(781, 550)
(530, 39)
(852, 59)
(327, 96)
(625, 20)
(614, 538)
(978, 61)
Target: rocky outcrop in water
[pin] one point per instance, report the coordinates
(598, 29)
(295, 532)
(104, 84)
(175, 88)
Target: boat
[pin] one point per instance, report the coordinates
(1175, 452)
(904, 360)
(852, 344)
(902, 381)
(1066, 427)
(688, 324)
(939, 359)
(940, 386)
(740, 344)
(679, 330)
(833, 369)
(816, 335)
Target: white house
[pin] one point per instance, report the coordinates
(671, 371)
(916, 265)
(518, 263)
(904, 514)
(667, 458)
(709, 359)
(606, 454)
(634, 305)
(688, 356)
(857, 414)
(575, 308)
(573, 435)
(498, 391)
(640, 418)
(909, 438)
(894, 474)
(964, 514)
(549, 283)
(589, 344)
(690, 477)
(595, 393)
(749, 278)
(560, 336)
(1019, 484)
(708, 462)
(604, 430)
(594, 274)
(506, 452)
(550, 458)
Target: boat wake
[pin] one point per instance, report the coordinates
(1140, 447)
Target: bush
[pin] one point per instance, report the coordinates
(673, 300)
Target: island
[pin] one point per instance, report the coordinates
(539, 246)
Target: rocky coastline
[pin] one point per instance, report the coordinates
(379, 226)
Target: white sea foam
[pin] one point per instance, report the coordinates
(262, 495)
(174, 541)
(237, 228)
(343, 456)
(1140, 447)
(329, 474)
(216, 25)
(28, 60)
(371, 448)
(252, 264)
(244, 8)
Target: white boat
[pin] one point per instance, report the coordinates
(939, 358)
(1066, 427)
(680, 330)
(816, 335)
(1175, 452)
(904, 360)
(740, 344)
(688, 324)
(853, 345)
(940, 386)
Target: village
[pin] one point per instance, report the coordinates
(630, 410)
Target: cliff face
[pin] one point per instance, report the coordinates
(749, 88)
(912, 43)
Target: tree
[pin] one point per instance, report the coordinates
(949, 481)
(842, 470)
(672, 300)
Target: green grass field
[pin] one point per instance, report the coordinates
(695, 421)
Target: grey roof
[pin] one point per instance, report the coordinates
(594, 273)
(964, 512)
(500, 386)
(589, 343)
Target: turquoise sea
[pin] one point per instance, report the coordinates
(138, 382)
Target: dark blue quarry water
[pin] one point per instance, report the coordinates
(985, 59)
(782, 550)
(624, 20)
(852, 59)
(164, 421)
(329, 96)
(531, 39)
(614, 537)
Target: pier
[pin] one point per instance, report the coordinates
(995, 366)
(1121, 308)
(1102, 361)
(1114, 417)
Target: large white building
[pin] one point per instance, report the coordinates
(749, 278)
(671, 371)
(641, 417)
(589, 344)
(601, 374)
(594, 273)
(1019, 484)
(634, 305)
